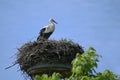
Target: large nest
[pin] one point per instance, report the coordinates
(47, 51)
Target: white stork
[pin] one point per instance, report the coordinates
(46, 31)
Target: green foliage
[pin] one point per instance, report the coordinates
(55, 76)
(83, 68)
(84, 64)
(106, 75)
(118, 77)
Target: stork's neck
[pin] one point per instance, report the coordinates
(52, 23)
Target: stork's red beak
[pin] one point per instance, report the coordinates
(55, 21)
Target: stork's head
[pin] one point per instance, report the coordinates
(52, 20)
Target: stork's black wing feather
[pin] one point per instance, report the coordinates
(47, 35)
(41, 34)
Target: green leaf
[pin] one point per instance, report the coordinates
(83, 68)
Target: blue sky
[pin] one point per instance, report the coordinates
(88, 22)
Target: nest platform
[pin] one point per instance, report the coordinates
(47, 56)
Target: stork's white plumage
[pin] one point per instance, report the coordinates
(46, 31)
